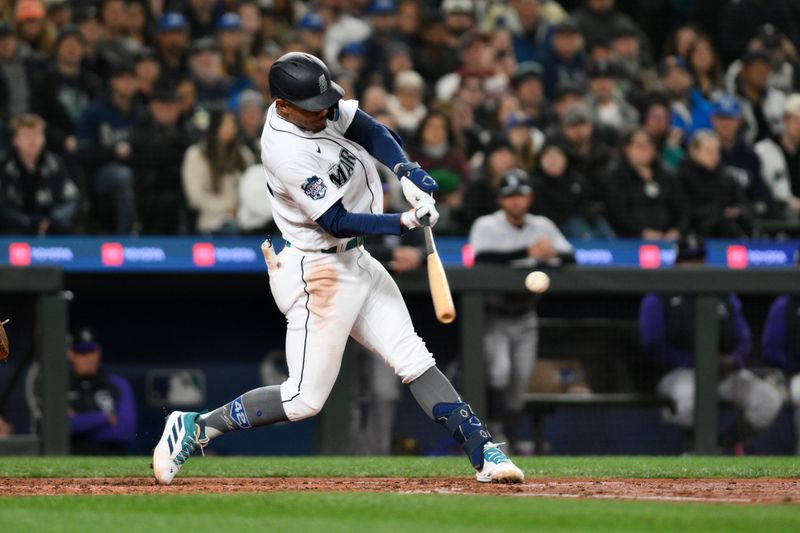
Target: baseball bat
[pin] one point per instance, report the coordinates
(440, 289)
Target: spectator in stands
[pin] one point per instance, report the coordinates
(205, 66)
(667, 330)
(436, 55)
(530, 29)
(690, 110)
(101, 406)
(341, 27)
(781, 348)
(600, 21)
(32, 26)
(405, 104)
(211, 172)
(704, 65)
(589, 154)
(229, 41)
(66, 92)
(780, 161)
(37, 196)
(512, 236)
(104, 138)
(717, 203)
(172, 43)
(250, 106)
(605, 101)
(88, 22)
(19, 70)
(201, 16)
(636, 74)
(565, 59)
(762, 105)
(738, 157)
(148, 71)
(644, 200)
(159, 142)
(383, 21)
(434, 147)
(568, 95)
(668, 139)
(138, 23)
(785, 68)
(738, 19)
(492, 164)
(529, 89)
(459, 16)
(565, 197)
(374, 99)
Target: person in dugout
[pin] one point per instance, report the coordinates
(101, 406)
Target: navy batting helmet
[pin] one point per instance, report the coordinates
(303, 80)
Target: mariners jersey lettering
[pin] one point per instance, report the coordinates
(307, 172)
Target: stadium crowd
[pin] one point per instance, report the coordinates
(144, 116)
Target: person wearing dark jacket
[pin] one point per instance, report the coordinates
(643, 199)
(564, 196)
(159, 142)
(101, 406)
(717, 203)
(666, 324)
(36, 194)
(781, 348)
(67, 90)
(601, 21)
(104, 147)
(20, 71)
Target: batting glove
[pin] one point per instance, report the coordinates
(417, 184)
(424, 215)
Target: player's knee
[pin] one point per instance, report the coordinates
(301, 409)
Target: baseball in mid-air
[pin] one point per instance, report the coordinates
(537, 282)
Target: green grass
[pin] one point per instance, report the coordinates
(417, 513)
(606, 466)
(379, 512)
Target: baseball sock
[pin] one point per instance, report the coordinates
(259, 407)
(433, 388)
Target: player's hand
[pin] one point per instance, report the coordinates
(417, 184)
(424, 215)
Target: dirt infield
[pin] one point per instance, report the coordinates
(760, 490)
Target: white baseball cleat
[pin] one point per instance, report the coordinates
(183, 434)
(497, 467)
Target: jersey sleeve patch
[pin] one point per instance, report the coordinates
(314, 188)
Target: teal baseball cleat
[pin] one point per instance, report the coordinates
(183, 434)
(497, 467)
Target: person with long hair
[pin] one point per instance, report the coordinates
(211, 172)
(704, 64)
(644, 200)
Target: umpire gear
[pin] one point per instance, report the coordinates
(305, 81)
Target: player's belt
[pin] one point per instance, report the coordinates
(349, 245)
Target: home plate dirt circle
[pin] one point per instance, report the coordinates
(732, 490)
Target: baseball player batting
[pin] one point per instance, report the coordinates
(326, 195)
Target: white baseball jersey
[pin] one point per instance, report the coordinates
(307, 172)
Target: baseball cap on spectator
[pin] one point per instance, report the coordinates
(203, 44)
(770, 36)
(28, 10)
(672, 62)
(527, 70)
(249, 97)
(172, 22)
(569, 88)
(66, 31)
(352, 49)
(625, 31)
(381, 7)
(726, 106)
(5, 29)
(515, 182)
(568, 25)
(311, 21)
(792, 105)
(576, 115)
(83, 340)
(751, 56)
(601, 69)
(229, 22)
(458, 6)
